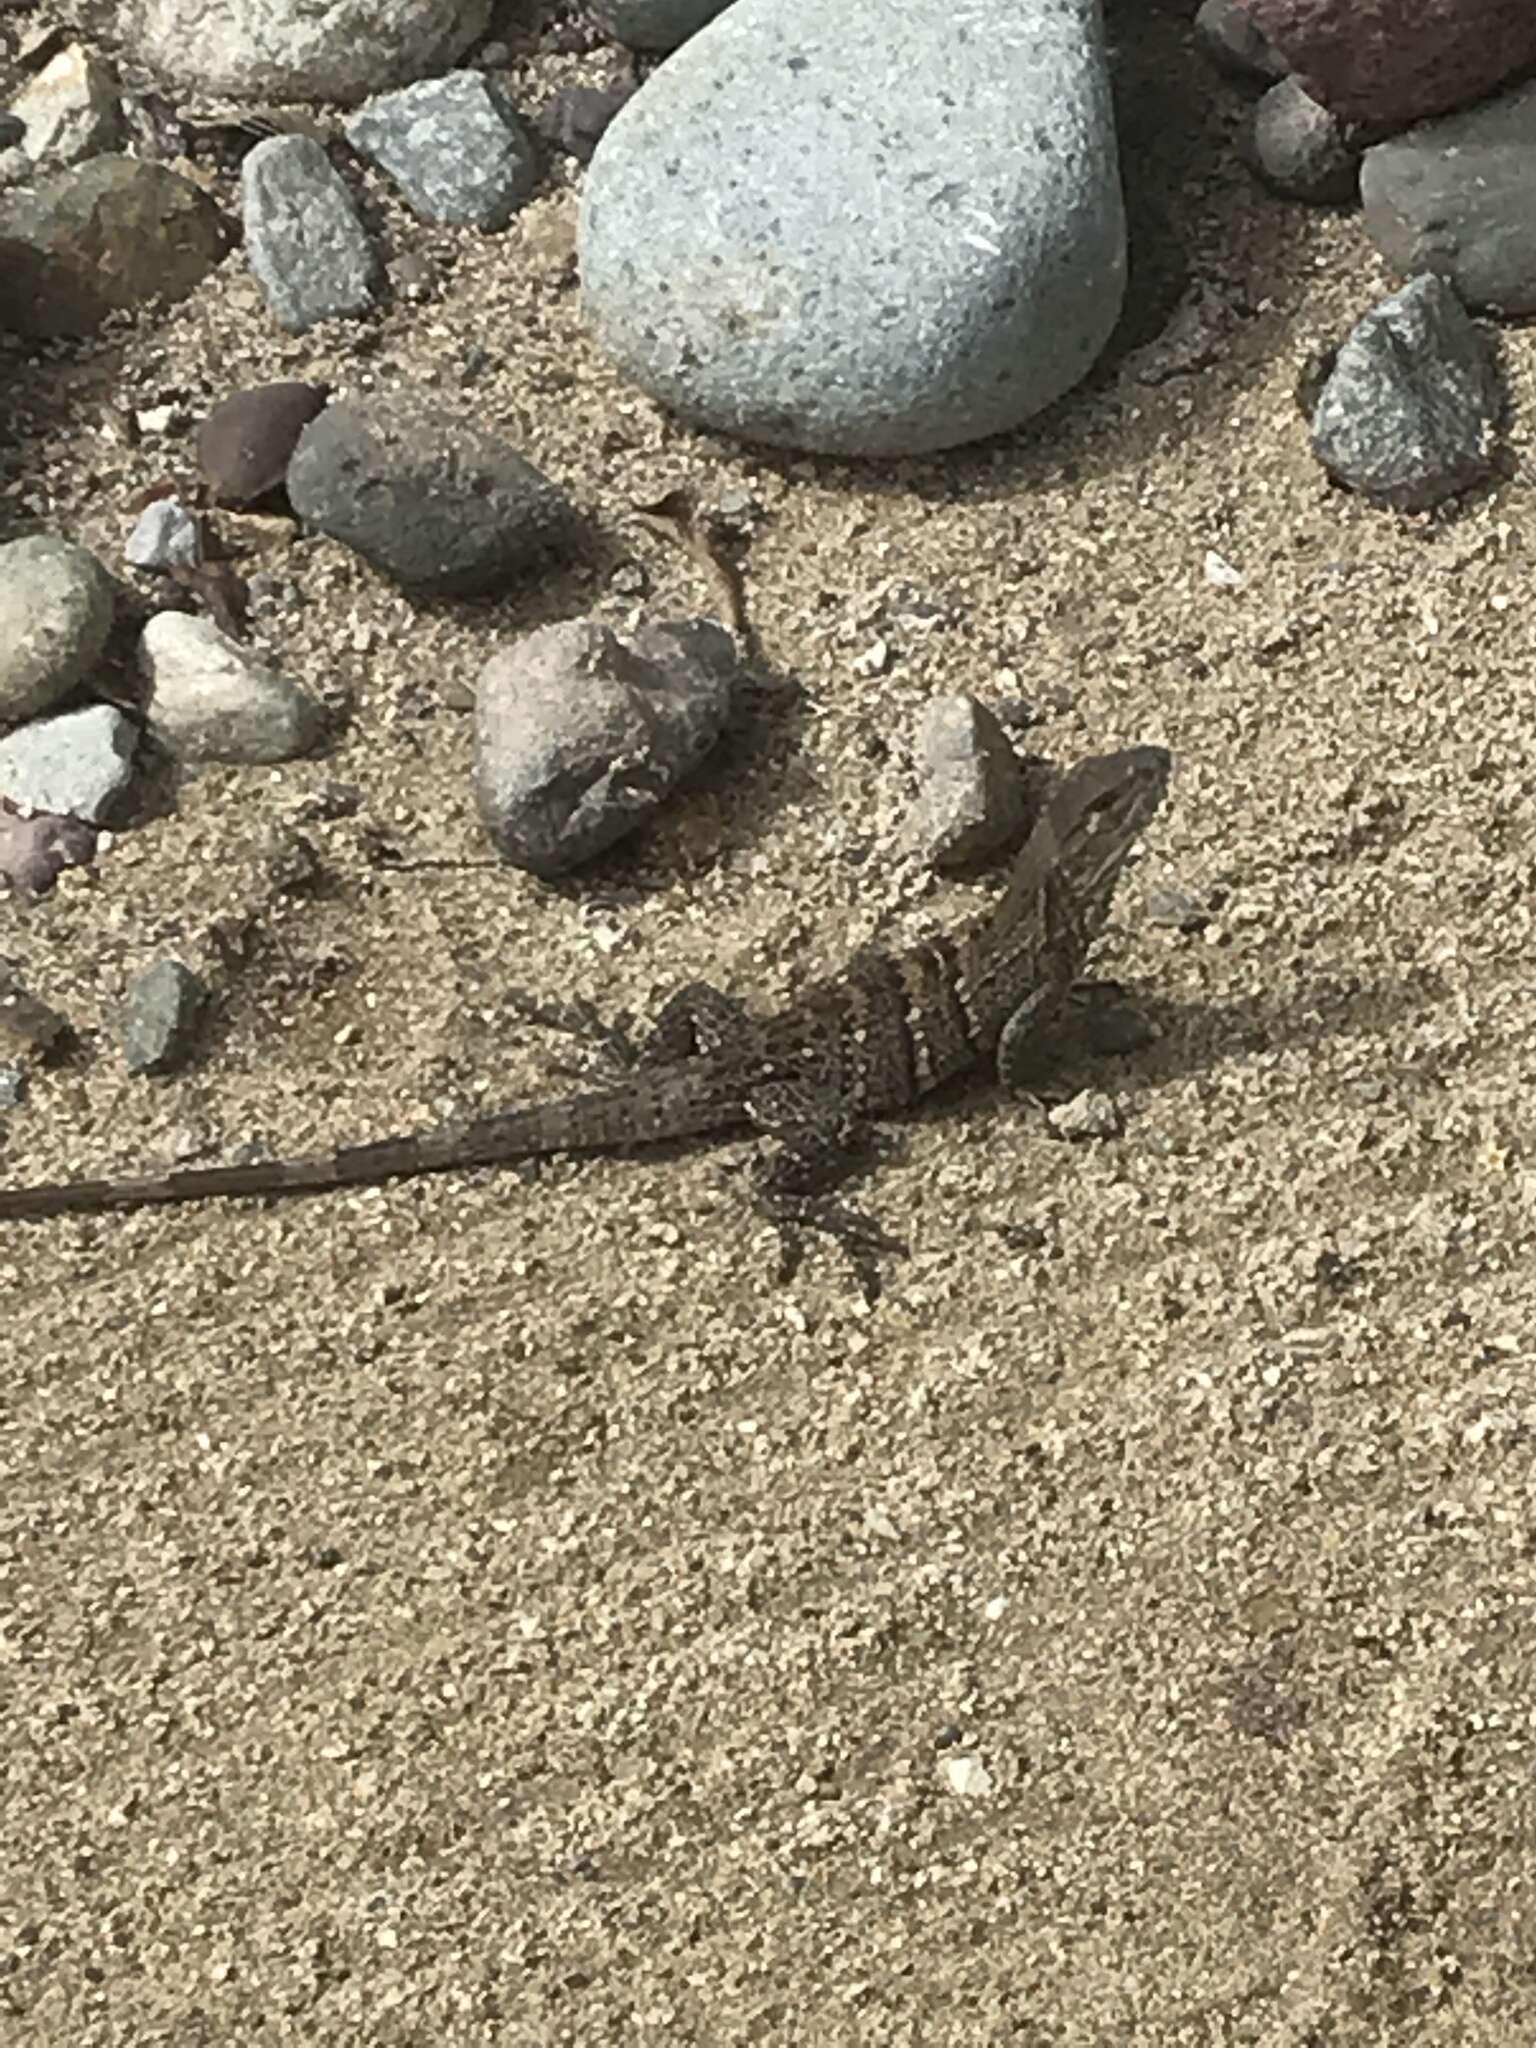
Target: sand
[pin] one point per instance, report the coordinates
(492, 1609)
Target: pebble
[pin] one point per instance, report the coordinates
(1302, 150)
(244, 445)
(210, 699)
(70, 109)
(455, 146)
(13, 1087)
(56, 609)
(164, 232)
(1459, 196)
(750, 260)
(77, 764)
(971, 797)
(1229, 36)
(428, 496)
(654, 24)
(15, 168)
(27, 1025)
(581, 732)
(165, 535)
(1089, 1114)
(1407, 414)
(308, 248)
(577, 118)
(35, 850)
(296, 50)
(160, 1018)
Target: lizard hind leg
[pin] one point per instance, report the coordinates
(794, 1185)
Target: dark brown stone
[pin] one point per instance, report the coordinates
(244, 444)
(1382, 64)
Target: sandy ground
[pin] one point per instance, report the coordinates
(490, 1609)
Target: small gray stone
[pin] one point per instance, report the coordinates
(308, 249)
(811, 229)
(211, 699)
(454, 146)
(1176, 910)
(13, 1087)
(654, 24)
(160, 1018)
(165, 535)
(56, 607)
(1090, 1114)
(297, 49)
(429, 497)
(70, 108)
(971, 799)
(1458, 196)
(100, 238)
(581, 732)
(1407, 414)
(76, 765)
(15, 168)
(1301, 149)
(1232, 40)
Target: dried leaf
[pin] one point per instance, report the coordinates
(676, 514)
(220, 588)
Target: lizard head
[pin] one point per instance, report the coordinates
(1083, 835)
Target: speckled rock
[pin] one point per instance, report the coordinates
(455, 146)
(1458, 196)
(307, 245)
(971, 798)
(1382, 64)
(749, 257)
(76, 765)
(1406, 415)
(1301, 149)
(581, 732)
(106, 235)
(160, 1018)
(428, 496)
(56, 609)
(297, 49)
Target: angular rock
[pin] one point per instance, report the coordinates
(245, 444)
(1384, 64)
(76, 765)
(56, 608)
(1458, 196)
(308, 248)
(36, 849)
(70, 108)
(808, 229)
(971, 799)
(165, 536)
(109, 234)
(1302, 150)
(454, 146)
(210, 699)
(296, 49)
(577, 118)
(433, 500)
(654, 24)
(581, 732)
(1407, 414)
(160, 1018)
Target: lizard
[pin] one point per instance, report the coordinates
(859, 1045)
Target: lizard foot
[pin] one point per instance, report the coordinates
(860, 1238)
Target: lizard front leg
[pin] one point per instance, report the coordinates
(815, 1150)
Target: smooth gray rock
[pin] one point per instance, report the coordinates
(1407, 413)
(1301, 149)
(309, 251)
(298, 49)
(433, 499)
(971, 798)
(210, 699)
(581, 732)
(654, 24)
(454, 146)
(813, 229)
(160, 1018)
(56, 607)
(76, 765)
(1458, 196)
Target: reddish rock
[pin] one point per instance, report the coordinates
(1382, 64)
